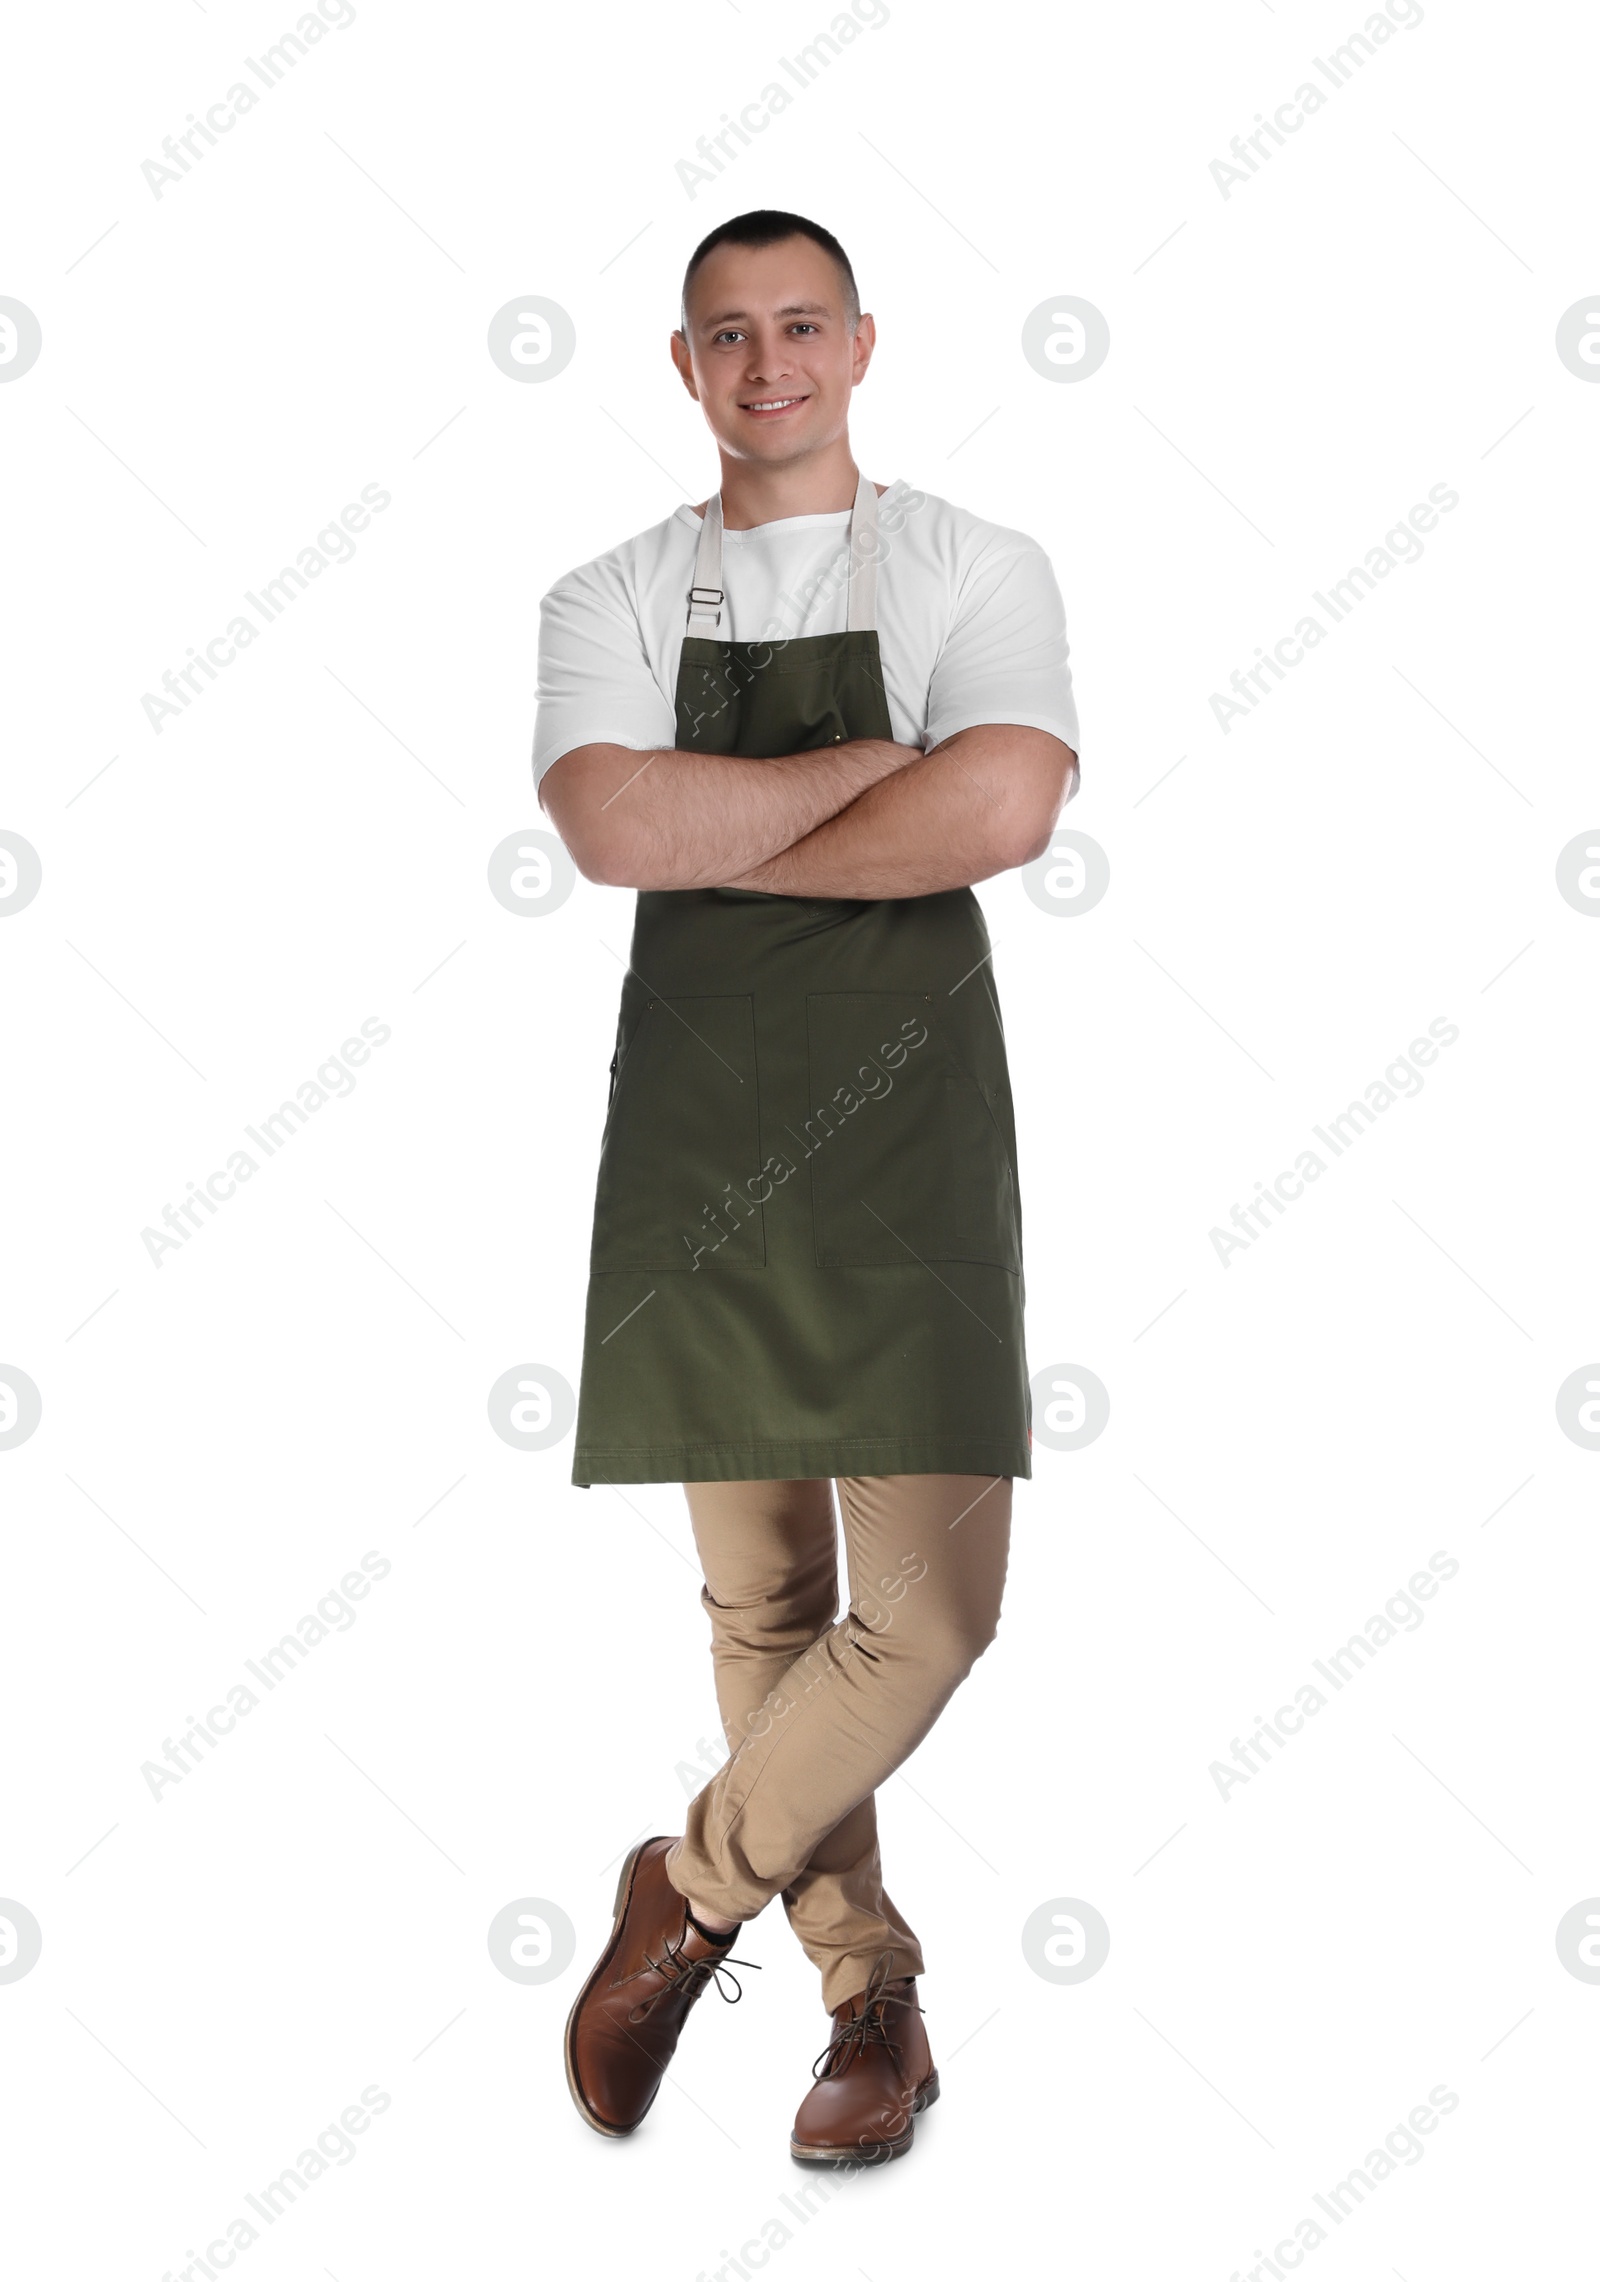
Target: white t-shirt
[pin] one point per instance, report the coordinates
(970, 623)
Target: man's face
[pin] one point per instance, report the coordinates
(768, 355)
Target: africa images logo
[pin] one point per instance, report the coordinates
(846, 1100)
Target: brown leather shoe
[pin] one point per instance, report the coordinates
(624, 2027)
(875, 2077)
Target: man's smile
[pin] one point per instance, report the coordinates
(770, 407)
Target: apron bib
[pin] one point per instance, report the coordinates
(807, 1253)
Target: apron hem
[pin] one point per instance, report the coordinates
(823, 1459)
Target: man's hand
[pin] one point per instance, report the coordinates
(984, 801)
(676, 819)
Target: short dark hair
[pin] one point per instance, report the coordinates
(768, 226)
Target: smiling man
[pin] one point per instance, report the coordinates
(801, 719)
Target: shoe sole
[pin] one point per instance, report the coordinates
(878, 2151)
(618, 1912)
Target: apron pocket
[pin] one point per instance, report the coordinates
(908, 1161)
(680, 1158)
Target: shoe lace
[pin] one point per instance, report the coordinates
(687, 1976)
(867, 2027)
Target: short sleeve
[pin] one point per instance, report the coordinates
(596, 683)
(1005, 655)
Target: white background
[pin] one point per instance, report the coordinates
(1291, 1436)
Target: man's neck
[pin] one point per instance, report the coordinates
(821, 484)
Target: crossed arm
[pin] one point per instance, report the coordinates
(866, 819)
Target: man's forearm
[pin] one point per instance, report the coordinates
(983, 802)
(676, 819)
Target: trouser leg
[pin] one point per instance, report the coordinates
(927, 1555)
(768, 1553)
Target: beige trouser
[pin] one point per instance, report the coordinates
(818, 1713)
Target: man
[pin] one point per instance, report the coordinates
(806, 1266)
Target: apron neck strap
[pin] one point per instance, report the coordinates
(706, 596)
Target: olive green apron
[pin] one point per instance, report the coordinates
(807, 1255)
